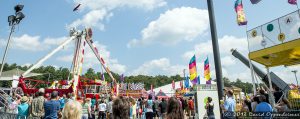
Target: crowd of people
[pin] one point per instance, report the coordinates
(259, 103)
(52, 106)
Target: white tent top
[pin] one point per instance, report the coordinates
(8, 75)
(168, 90)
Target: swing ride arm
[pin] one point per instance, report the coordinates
(274, 78)
(74, 34)
(96, 52)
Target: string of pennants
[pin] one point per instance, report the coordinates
(241, 17)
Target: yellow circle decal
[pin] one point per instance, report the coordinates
(281, 37)
(254, 33)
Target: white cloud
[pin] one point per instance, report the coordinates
(91, 19)
(113, 4)
(33, 43)
(27, 42)
(67, 58)
(54, 41)
(160, 66)
(227, 61)
(226, 43)
(174, 26)
(91, 61)
(100, 10)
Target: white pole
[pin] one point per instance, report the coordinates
(48, 56)
(271, 97)
(250, 64)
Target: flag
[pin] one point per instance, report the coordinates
(241, 18)
(173, 84)
(293, 2)
(103, 77)
(186, 82)
(181, 85)
(193, 70)
(207, 71)
(151, 88)
(122, 78)
(255, 1)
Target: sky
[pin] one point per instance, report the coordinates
(147, 37)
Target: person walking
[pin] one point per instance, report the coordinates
(210, 108)
(102, 110)
(229, 106)
(149, 108)
(23, 108)
(72, 110)
(52, 107)
(86, 109)
(37, 105)
(109, 108)
(163, 108)
(174, 110)
(191, 107)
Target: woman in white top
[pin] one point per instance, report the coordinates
(102, 110)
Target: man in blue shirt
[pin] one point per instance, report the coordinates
(52, 106)
(229, 106)
(263, 106)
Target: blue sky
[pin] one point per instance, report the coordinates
(150, 37)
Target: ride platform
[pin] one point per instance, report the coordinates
(277, 42)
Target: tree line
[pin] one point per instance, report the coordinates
(50, 73)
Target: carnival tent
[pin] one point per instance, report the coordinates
(161, 94)
(8, 75)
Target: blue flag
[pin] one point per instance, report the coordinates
(187, 82)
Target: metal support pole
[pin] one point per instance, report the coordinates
(215, 45)
(271, 96)
(6, 48)
(295, 72)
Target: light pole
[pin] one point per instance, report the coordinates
(295, 72)
(216, 52)
(12, 20)
(215, 44)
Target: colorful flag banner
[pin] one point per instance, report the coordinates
(102, 77)
(293, 2)
(181, 85)
(255, 1)
(193, 70)
(151, 88)
(241, 18)
(173, 84)
(187, 82)
(122, 78)
(207, 71)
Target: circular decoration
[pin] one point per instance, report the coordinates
(263, 43)
(270, 27)
(281, 37)
(254, 33)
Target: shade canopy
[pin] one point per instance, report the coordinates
(7, 75)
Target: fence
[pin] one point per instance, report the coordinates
(4, 115)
